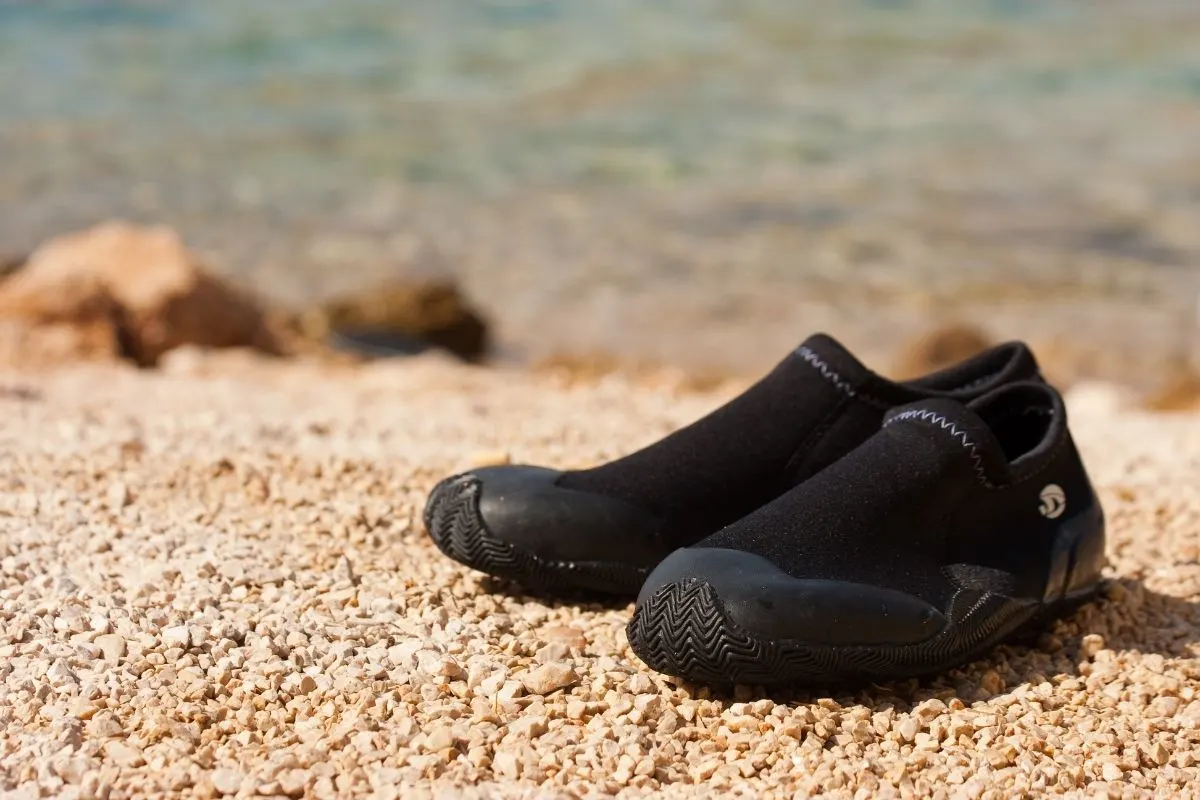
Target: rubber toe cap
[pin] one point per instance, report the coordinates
(764, 600)
(522, 505)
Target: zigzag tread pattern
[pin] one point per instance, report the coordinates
(453, 521)
(682, 630)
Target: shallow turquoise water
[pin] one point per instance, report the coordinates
(579, 91)
(687, 140)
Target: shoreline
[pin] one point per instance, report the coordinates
(550, 288)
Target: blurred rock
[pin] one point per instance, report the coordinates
(1180, 392)
(193, 361)
(942, 347)
(1067, 360)
(1097, 398)
(587, 369)
(402, 317)
(11, 262)
(79, 321)
(144, 283)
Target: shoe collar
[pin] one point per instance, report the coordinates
(1009, 433)
(995, 367)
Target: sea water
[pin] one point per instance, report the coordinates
(681, 178)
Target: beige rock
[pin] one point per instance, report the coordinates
(1092, 644)
(440, 738)
(991, 682)
(74, 770)
(555, 651)
(492, 684)
(124, 755)
(60, 674)
(226, 781)
(75, 321)
(703, 771)
(439, 665)
(1165, 706)
(511, 690)
(292, 782)
(564, 634)
(640, 683)
(119, 288)
(177, 636)
(489, 458)
(548, 678)
(529, 727)
(1157, 753)
(506, 764)
(118, 496)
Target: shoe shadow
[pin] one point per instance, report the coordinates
(1127, 617)
(574, 598)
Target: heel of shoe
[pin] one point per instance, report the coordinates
(1077, 557)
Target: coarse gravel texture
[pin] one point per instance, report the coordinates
(213, 581)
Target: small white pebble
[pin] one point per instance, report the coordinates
(548, 678)
(226, 781)
(177, 636)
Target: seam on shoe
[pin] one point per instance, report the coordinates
(828, 372)
(843, 385)
(933, 418)
(802, 451)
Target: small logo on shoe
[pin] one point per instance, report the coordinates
(1054, 501)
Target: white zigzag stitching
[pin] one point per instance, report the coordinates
(832, 376)
(940, 420)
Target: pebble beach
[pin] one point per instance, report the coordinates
(214, 583)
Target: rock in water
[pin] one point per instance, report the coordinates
(405, 316)
(143, 294)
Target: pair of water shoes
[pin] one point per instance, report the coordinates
(827, 525)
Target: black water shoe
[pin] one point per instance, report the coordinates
(605, 528)
(945, 533)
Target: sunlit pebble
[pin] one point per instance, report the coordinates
(255, 611)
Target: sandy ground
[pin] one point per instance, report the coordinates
(213, 581)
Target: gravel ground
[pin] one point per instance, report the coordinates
(213, 581)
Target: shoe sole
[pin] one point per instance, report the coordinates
(684, 630)
(453, 521)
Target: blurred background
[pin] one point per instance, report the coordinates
(694, 182)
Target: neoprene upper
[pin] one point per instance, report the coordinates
(819, 403)
(941, 497)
